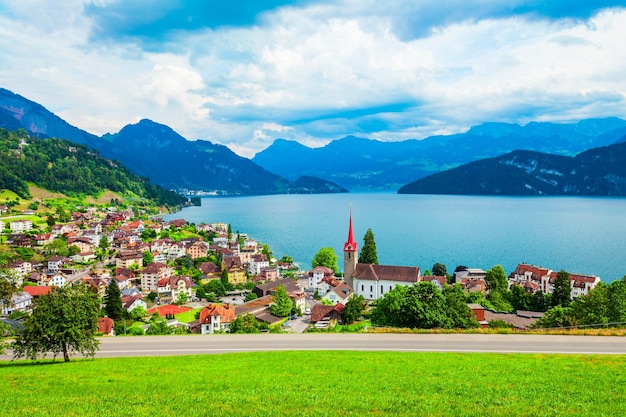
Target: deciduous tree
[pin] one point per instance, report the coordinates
(281, 303)
(64, 321)
(326, 257)
(353, 309)
(496, 279)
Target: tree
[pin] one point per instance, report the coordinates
(224, 276)
(326, 257)
(281, 303)
(152, 296)
(368, 253)
(496, 279)
(8, 286)
(519, 298)
(158, 326)
(617, 301)
(440, 270)
(593, 308)
(147, 257)
(63, 321)
(562, 292)
(353, 309)
(216, 287)
(457, 309)
(182, 298)
(244, 324)
(251, 296)
(113, 301)
(138, 313)
(558, 316)
(200, 292)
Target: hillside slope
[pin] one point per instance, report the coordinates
(61, 166)
(154, 150)
(596, 172)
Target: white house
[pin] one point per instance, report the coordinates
(19, 302)
(316, 275)
(131, 302)
(216, 317)
(21, 225)
(173, 286)
(339, 294)
(374, 281)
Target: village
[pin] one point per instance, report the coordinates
(202, 278)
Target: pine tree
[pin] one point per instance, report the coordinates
(562, 292)
(113, 301)
(368, 251)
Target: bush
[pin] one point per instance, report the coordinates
(135, 331)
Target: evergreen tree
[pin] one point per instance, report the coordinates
(368, 253)
(113, 301)
(224, 276)
(562, 293)
(281, 303)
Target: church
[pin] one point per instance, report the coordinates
(370, 280)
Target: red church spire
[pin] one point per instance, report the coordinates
(350, 245)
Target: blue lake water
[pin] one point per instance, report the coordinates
(579, 235)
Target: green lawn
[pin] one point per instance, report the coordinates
(187, 316)
(319, 383)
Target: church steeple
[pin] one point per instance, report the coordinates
(350, 250)
(350, 245)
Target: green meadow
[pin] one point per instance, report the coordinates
(319, 383)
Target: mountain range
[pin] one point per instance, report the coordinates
(363, 164)
(157, 152)
(596, 172)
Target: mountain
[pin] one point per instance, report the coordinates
(18, 112)
(595, 172)
(157, 152)
(358, 163)
(61, 166)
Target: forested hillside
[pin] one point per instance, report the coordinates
(72, 169)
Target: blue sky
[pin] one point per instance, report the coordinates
(243, 73)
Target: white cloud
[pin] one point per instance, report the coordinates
(318, 73)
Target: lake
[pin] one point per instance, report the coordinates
(577, 234)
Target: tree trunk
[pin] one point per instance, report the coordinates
(66, 355)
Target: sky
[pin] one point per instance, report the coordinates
(243, 73)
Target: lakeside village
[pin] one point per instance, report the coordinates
(176, 277)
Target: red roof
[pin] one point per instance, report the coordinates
(168, 309)
(37, 291)
(105, 325)
(225, 311)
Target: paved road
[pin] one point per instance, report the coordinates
(207, 344)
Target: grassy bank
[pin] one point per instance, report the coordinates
(323, 383)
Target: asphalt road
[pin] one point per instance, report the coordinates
(210, 344)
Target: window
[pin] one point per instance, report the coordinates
(381, 289)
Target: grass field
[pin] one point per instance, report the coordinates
(319, 383)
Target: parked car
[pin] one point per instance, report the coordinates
(288, 323)
(293, 317)
(307, 311)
